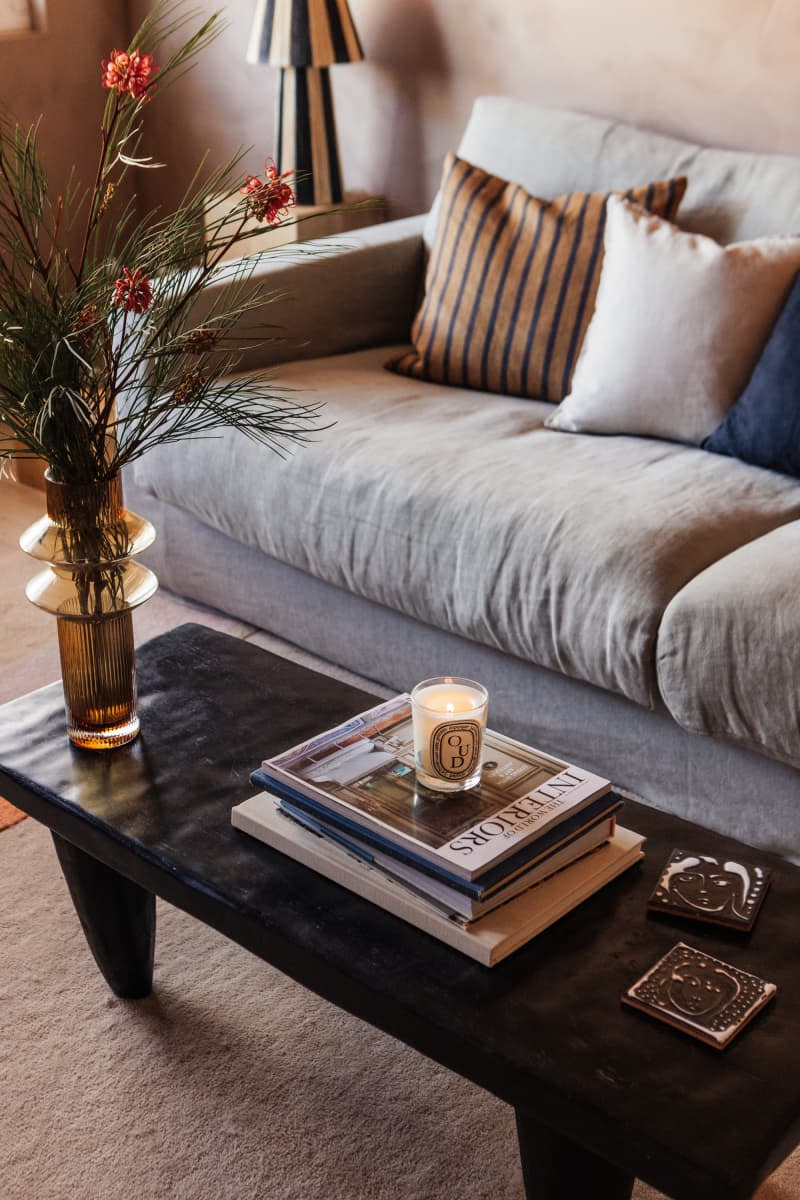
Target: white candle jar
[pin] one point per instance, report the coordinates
(449, 716)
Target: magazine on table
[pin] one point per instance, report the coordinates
(363, 771)
(488, 882)
(487, 940)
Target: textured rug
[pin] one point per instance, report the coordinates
(229, 1083)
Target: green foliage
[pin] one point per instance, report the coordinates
(87, 382)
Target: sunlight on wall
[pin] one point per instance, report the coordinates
(15, 16)
(22, 16)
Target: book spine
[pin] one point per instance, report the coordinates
(359, 877)
(495, 877)
(449, 899)
(459, 910)
(487, 940)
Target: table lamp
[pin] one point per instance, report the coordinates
(303, 38)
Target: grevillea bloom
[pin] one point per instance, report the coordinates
(133, 291)
(268, 199)
(130, 73)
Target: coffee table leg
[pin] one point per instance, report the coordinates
(556, 1168)
(118, 918)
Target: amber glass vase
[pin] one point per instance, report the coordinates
(90, 584)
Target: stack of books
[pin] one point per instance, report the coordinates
(483, 870)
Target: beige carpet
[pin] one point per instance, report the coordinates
(230, 1082)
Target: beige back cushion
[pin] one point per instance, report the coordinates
(732, 195)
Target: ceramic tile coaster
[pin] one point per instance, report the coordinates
(705, 997)
(703, 888)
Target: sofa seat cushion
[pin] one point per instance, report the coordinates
(729, 648)
(462, 510)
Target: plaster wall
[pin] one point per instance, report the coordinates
(720, 71)
(55, 73)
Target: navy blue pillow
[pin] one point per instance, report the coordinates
(763, 427)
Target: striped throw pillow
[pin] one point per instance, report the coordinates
(511, 283)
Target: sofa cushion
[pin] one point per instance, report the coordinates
(732, 195)
(511, 282)
(763, 427)
(729, 646)
(463, 511)
(679, 324)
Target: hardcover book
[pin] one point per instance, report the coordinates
(468, 901)
(363, 771)
(702, 995)
(704, 888)
(487, 940)
(481, 888)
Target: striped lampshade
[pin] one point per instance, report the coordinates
(303, 33)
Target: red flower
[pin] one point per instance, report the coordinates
(133, 292)
(129, 73)
(269, 199)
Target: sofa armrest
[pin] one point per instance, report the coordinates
(336, 294)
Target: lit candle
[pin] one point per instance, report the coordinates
(449, 717)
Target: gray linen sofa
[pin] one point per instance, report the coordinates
(631, 604)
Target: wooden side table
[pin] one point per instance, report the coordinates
(307, 221)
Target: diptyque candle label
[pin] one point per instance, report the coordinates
(455, 749)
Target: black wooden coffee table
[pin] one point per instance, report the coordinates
(601, 1093)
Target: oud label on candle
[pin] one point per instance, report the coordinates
(456, 749)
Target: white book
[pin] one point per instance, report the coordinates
(489, 939)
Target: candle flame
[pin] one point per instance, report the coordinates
(450, 708)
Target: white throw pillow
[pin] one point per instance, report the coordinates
(678, 326)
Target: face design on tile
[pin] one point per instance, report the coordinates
(709, 886)
(699, 990)
(700, 994)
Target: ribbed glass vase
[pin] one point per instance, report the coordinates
(90, 584)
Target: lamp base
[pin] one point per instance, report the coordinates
(306, 135)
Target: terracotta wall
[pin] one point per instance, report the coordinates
(720, 71)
